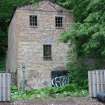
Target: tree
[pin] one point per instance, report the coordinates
(88, 32)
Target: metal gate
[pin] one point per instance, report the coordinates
(5, 86)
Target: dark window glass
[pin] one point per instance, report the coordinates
(59, 22)
(47, 52)
(58, 73)
(33, 20)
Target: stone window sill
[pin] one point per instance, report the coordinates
(59, 28)
(47, 59)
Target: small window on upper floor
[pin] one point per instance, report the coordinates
(33, 20)
(59, 22)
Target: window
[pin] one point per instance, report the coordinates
(59, 22)
(58, 73)
(47, 52)
(33, 20)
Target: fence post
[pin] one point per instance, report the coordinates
(24, 78)
(5, 86)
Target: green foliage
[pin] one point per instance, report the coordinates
(2, 64)
(49, 92)
(79, 75)
(88, 33)
(65, 3)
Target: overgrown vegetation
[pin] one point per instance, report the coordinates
(69, 90)
(87, 34)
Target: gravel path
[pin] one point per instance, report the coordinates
(68, 101)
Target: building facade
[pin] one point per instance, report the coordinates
(34, 48)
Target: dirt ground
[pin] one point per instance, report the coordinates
(68, 101)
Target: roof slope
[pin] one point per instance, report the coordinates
(44, 6)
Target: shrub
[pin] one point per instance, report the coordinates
(79, 74)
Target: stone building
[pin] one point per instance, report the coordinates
(34, 49)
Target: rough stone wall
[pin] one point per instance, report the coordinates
(11, 59)
(11, 53)
(30, 41)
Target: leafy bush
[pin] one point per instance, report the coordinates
(79, 75)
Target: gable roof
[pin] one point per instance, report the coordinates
(44, 6)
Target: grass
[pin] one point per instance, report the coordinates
(71, 90)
